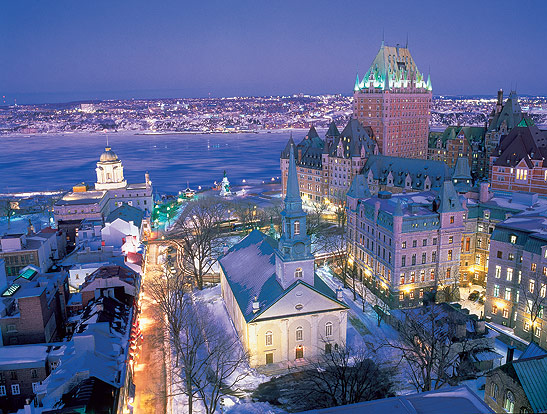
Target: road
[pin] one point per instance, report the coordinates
(150, 373)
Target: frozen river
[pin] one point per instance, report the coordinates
(52, 162)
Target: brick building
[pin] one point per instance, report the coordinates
(394, 99)
(22, 369)
(33, 308)
(517, 163)
(503, 118)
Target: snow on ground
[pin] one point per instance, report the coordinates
(242, 405)
(473, 306)
(19, 224)
(374, 337)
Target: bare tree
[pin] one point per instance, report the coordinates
(315, 222)
(247, 214)
(197, 237)
(432, 344)
(334, 242)
(7, 207)
(534, 296)
(181, 333)
(346, 376)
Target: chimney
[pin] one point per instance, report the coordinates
(484, 194)
(500, 97)
(256, 305)
(510, 354)
(339, 294)
(225, 249)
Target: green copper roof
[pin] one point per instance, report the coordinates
(525, 122)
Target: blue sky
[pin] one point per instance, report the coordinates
(63, 50)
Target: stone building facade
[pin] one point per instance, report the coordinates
(406, 245)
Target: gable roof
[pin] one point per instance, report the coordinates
(532, 375)
(528, 143)
(511, 113)
(353, 137)
(249, 269)
(126, 213)
(359, 188)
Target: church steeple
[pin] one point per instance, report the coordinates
(294, 260)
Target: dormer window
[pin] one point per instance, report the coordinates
(513, 239)
(522, 174)
(298, 273)
(296, 228)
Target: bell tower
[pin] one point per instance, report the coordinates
(109, 171)
(294, 260)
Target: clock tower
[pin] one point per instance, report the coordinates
(294, 260)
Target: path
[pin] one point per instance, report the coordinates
(150, 373)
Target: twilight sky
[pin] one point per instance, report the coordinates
(61, 50)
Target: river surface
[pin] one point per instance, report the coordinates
(53, 162)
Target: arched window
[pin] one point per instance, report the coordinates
(509, 404)
(296, 227)
(328, 329)
(269, 338)
(298, 273)
(299, 333)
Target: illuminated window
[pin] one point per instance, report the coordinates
(509, 274)
(507, 294)
(496, 291)
(532, 286)
(450, 255)
(297, 227)
(521, 174)
(269, 338)
(498, 272)
(513, 239)
(533, 267)
(298, 273)
(505, 313)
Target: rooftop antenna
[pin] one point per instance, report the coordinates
(406, 46)
(383, 37)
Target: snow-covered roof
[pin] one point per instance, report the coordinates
(449, 400)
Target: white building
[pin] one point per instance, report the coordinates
(281, 309)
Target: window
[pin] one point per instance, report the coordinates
(15, 390)
(494, 309)
(422, 275)
(532, 286)
(478, 259)
(432, 274)
(509, 403)
(450, 240)
(2, 391)
(510, 256)
(412, 277)
(507, 295)
(498, 272)
(434, 257)
(414, 243)
(448, 273)
(434, 241)
(496, 291)
(499, 254)
(494, 390)
(424, 258)
(13, 375)
(543, 289)
(328, 348)
(505, 313)
(404, 245)
(424, 242)
(298, 273)
(269, 338)
(33, 373)
(299, 333)
(450, 255)
(296, 227)
(35, 387)
(403, 261)
(402, 278)
(533, 267)
(451, 219)
(513, 239)
(509, 274)
(413, 259)
(421, 293)
(526, 327)
(328, 329)
(401, 296)
(467, 244)
(537, 331)
(12, 328)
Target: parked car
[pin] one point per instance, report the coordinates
(474, 295)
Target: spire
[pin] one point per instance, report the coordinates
(450, 201)
(292, 198)
(356, 87)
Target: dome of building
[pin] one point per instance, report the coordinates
(108, 155)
